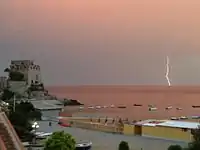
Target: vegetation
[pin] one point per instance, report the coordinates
(7, 94)
(7, 70)
(60, 141)
(21, 118)
(175, 147)
(123, 146)
(16, 76)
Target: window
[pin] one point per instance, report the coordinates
(37, 77)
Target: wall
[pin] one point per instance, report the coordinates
(50, 113)
(167, 133)
(128, 129)
(32, 75)
(98, 127)
(18, 86)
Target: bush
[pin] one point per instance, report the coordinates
(16, 76)
(60, 141)
(7, 94)
(21, 117)
(175, 147)
(123, 146)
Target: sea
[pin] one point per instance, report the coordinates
(180, 99)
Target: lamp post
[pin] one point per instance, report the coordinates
(35, 126)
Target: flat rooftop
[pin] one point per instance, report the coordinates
(170, 123)
(47, 104)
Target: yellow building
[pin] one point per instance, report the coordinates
(165, 129)
(168, 129)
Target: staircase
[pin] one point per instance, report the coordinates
(8, 135)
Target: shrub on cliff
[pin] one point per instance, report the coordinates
(123, 146)
(175, 147)
(16, 76)
(7, 94)
(21, 117)
(60, 141)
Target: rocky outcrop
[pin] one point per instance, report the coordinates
(72, 102)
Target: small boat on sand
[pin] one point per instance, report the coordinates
(98, 107)
(168, 108)
(121, 106)
(196, 106)
(153, 109)
(174, 118)
(84, 146)
(90, 107)
(112, 106)
(139, 105)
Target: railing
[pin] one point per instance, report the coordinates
(12, 132)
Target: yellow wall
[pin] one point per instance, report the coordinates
(167, 132)
(128, 129)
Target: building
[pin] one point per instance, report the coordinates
(48, 108)
(29, 69)
(164, 129)
(3, 82)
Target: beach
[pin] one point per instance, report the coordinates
(160, 96)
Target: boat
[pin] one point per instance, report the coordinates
(137, 105)
(183, 117)
(196, 106)
(121, 106)
(112, 106)
(153, 109)
(90, 107)
(179, 108)
(168, 108)
(84, 146)
(98, 107)
(174, 118)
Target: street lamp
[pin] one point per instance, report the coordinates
(35, 126)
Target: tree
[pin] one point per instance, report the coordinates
(7, 94)
(7, 70)
(60, 141)
(21, 118)
(16, 76)
(175, 147)
(123, 146)
(195, 144)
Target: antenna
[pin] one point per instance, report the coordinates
(167, 71)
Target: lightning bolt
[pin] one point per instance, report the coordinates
(167, 71)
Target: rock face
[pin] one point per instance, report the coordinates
(72, 102)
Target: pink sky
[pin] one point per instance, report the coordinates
(104, 41)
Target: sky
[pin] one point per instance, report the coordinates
(88, 42)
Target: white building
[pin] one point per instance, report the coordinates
(30, 70)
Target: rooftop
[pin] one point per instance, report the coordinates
(170, 123)
(47, 104)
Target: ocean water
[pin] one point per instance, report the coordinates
(159, 96)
